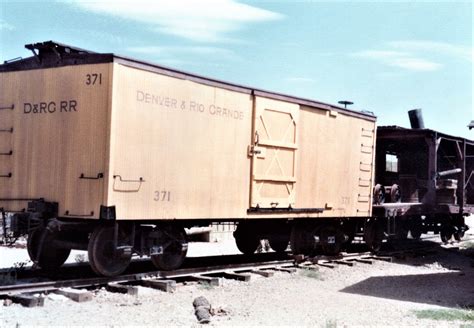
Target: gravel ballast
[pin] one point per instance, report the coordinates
(381, 294)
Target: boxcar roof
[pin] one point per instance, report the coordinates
(394, 131)
(50, 54)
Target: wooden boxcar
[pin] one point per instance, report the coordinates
(98, 149)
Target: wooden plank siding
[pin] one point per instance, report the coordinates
(59, 132)
(175, 148)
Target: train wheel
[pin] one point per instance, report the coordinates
(374, 234)
(348, 241)
(42, 250)
(104, 259)
(349, 231)
(379, 194)
(445, 234)
(458, 235)
(415, 228)
(279, 243)
(302, 239)
(331, 239)
(175, 248)
(415, 233)
(246, 239)
(402, 228)
(247, 244)
(395, 194)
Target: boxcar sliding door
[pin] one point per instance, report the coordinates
(274, 153)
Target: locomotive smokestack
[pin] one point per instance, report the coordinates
(416, 119)
(471, 125)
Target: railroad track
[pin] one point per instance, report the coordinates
(207, 270)
(231, 267)
(22, 290)
(227, 270)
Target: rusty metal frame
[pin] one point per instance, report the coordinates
(433, 140)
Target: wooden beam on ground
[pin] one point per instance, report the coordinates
(27, 300)
(123, 289)
(212, 281)
(236, 276)
(343, 262)
(382, 258)
(305, 264)
(326, 265)
(168, 286)
(366, 261)
(264, 273)
(283, 269)
(75, 294)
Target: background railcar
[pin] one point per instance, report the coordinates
(424, 181)
(116, 156)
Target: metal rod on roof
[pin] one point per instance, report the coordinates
(345, 103)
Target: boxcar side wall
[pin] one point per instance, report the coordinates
(336, 157)
(184, 150)
(55, 132)
(178, 148)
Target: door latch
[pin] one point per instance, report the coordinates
(256, 150)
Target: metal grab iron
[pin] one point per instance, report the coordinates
(99, 176)
(7, 107)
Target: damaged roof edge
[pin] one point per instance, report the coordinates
(77, 56)
(409, 132)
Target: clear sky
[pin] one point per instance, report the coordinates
(386, 57)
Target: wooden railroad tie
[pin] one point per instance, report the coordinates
(331, 263)
(285, 269)
(343, 262)
(27, 300)
(365, 261)
(236, 276)
(123, 289)
(381, 258)
(308, 266)
(326, 265)
(323, 263)
(263, 273)
(75, 294)
(168, 286)
(212, 281)
(349, 255)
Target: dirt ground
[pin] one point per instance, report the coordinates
(381, 294)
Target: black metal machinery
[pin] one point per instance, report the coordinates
(433, 172)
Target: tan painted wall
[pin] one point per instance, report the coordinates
(275, 148)
(175, 135)
(195, 164)
(172, 149)
(334, 168)
(64, 136)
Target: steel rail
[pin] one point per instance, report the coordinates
(45, 286)
(86, 282)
